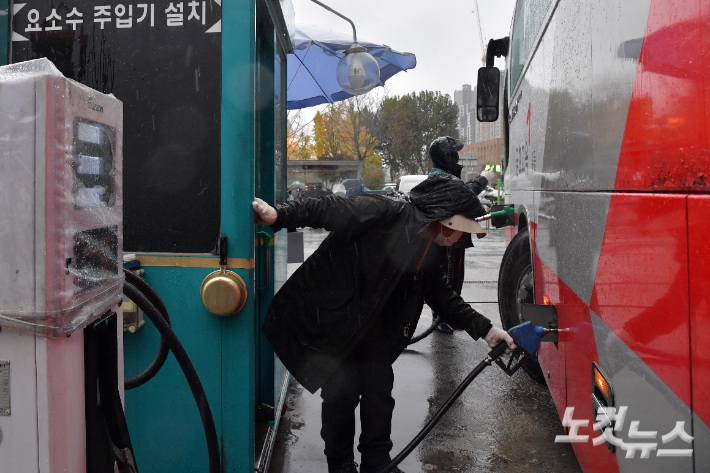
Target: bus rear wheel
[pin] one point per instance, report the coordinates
(516, 288)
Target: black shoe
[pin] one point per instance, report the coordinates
(443, 327)
(347, 467)
(375, 470)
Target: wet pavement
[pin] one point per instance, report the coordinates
(499, 424)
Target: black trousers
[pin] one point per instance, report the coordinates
(365, 378)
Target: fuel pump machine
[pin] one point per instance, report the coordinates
(60, 270)
(203, 85)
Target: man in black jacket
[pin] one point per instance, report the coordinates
(347, 313)
(444, 154)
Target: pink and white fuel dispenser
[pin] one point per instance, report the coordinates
(61, 236)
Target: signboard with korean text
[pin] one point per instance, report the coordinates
(163, 60)
(320, 167)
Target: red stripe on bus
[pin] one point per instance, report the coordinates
(699, 257)
(641, 285)
(569, 362)
(667, 135)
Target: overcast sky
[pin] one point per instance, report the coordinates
(443, 34)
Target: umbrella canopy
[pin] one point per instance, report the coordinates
(311, 68)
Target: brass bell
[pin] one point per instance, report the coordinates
(223, 292)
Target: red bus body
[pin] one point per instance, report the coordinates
(608, 165)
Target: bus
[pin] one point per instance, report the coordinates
(607, 165)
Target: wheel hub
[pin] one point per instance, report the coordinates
(526, 291)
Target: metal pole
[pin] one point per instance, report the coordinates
(341, 16)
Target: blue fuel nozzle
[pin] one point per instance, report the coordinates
(527, 336)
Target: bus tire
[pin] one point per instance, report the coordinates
(515, 288)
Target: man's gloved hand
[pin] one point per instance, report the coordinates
(495, 336)
(478, 184)
(265, 214)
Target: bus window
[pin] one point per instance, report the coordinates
(517, 58)
(529, 18)
(535, 13)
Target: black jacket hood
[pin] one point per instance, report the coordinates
(443, 195)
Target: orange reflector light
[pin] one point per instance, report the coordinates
(601, 382)
(546, 300)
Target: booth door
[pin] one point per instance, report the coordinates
(270, 258)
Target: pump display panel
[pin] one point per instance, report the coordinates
(93, 164)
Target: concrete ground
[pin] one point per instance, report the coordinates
(499, 424)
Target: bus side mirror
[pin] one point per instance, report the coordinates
(487, 94)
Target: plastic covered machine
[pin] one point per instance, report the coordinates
(61, 263)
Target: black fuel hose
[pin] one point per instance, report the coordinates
(187, 368)
(426, 332)
(163, 350)
(492, 356)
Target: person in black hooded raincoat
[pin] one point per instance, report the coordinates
(444, 154)
(346, 314)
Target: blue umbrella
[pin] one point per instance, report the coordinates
(311, 68)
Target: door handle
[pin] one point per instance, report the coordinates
(265, 241)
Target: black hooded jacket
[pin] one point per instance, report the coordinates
(373, 264)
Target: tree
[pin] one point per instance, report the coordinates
(329, 137)
(359, 120)
(373, 176)
(408, 124)
(299, 141)
(345, 129)
(440, 115)
(397, 134)
(301, 146)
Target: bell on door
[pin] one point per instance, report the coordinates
(223, 292)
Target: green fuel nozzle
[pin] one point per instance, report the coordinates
(506, 211)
